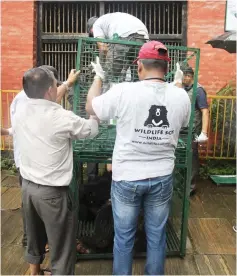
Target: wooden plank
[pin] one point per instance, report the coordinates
(138, 267)
(208, 187)
(11, 231)
(212, 236)
(230, 202)
(4, 174)
(230, 261)
(208, 236)
(13, 262)
(212, 265)
(213, 206)
(11, 199)
(208, 206)
(10, 181)
(174, 266)
(178, 266)
(6, 254)
(5, 215)
(3, 190)
(94, 267)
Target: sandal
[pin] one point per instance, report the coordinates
(47, 248)
(45, 271)
(82, 249)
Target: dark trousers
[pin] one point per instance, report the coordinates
(92, 170)
(118, 59)
(47, 216)
(195, 166)
(24, 239)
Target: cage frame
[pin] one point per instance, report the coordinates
(187, 165)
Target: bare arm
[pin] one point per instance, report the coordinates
(5, 131)
(94, 91)
(205, 119)
(99, 32)
(62, 89)
(103, 47)
(178, 84)
(103, 50)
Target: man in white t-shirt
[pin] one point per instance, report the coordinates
(150, 114)
(118, 57)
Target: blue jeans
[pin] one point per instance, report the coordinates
(128, 197)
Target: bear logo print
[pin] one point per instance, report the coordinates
(157, 117)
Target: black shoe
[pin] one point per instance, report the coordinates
(193, 192)
(24, 243)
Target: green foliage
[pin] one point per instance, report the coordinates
(223, 119)
(8, 164)
(217, 167)
(227, 90)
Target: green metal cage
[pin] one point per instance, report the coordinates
(100, 148)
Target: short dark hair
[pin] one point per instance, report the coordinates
(158, 64)
(188, 71)
(91, 22)
(37, 81)
(52, 69)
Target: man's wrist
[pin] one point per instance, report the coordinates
(178, 84)
(96, 77)
(205, 132)
(10, 132)
(67, 85)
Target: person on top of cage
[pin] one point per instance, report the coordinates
(200, 123)
(150, 114)
(118, 57)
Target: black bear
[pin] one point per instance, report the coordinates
(157, 117)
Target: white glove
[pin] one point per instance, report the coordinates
(97, 69)
(178, 76)
(201, 138)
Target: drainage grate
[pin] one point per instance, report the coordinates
(173, 244)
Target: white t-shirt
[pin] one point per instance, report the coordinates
(123, 24)
(16, 103)
(149, 118)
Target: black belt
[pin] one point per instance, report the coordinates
(134, 37)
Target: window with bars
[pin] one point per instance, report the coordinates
(67, 17)
(61, 23)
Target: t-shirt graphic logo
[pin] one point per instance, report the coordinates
(157, 117)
